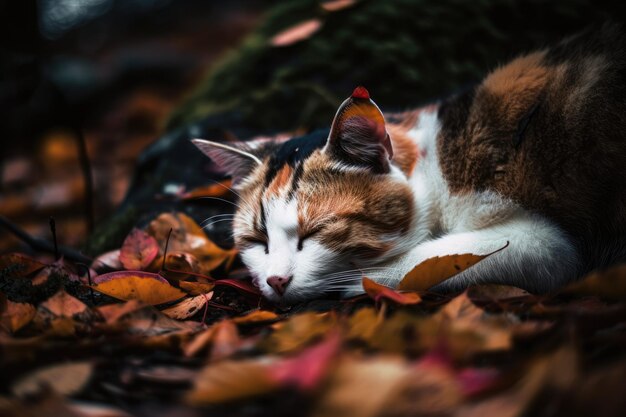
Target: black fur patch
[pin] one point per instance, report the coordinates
(293, 152)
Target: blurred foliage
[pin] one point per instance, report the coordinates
(405, 51)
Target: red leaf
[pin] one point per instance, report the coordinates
(139, 250)
(378, 292)
(306, 370)
(245, 286)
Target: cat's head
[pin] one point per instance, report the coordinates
(315, 212)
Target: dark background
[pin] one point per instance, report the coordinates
(87, 85)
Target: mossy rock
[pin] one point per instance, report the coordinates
(406, 52)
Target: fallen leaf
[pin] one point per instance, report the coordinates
(113, 312)
(222, 337)
(363, 324)
(257, 316)
(179, 265)
(188, 307)
(20, 265)
(239, 284)
(379, 292)
(297, 33)
(138, 250)
(196, 288)
(62, 304)
(228, 381)
(188, 237)
(609, 283)
(213, 190)
(136, 285)
(64, 379)
(14, 316)
(299, 331)
(306, 370)
(438, 269)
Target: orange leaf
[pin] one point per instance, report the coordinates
(377, 292)
(228, 381)
(214, 190)
(188, 237)
(136, 285)
(222, 336)
(139, 250)
(196, 288)
(438, 269)
(609, 283)
(113, 312)
(301, 31)
(188, 307)
(14, 316)
(257, 316)
(62, 304)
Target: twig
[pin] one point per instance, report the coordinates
(88, 280)
(42, 244)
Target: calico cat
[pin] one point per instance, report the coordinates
(533, 156)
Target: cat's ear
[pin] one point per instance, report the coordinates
(234, 159)
(358, 135)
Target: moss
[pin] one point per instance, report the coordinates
(111, 234)
(405, 51)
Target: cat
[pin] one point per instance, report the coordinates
(532, 160)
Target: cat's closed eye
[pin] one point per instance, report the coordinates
(306, 236)
(255, 240)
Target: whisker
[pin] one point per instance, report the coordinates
(227, 187)
(215, 222)
(217, 215)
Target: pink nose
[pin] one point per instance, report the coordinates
(279, 284)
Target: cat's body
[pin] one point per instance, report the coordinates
(534, 156)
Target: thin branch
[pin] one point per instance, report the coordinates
(42, 244)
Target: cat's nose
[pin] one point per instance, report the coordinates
(279, 284)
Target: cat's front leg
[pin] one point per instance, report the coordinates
(539, 257)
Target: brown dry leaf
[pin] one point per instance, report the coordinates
(64, 379)
(20, 265)
(62, 304)
(181, 262)
(113, 312)
(438, 269)
(379, 292)
(149, 321)
(228, 381)
(14, 316)
(196, 288)
(213, 190)
(257, 316)
(138, 250)
(361, 388)
(297, 33)
(188, 307)
(188, 237)
(495, 293)
(609, 283)
(299, 331)
(471, 330)
(223, 338)
(336, 5)
(363, 324)
(555, 372)
(136, 285)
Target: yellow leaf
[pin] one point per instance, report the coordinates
(438, 269)
(135, 285)
(256, 316)
(196, 288)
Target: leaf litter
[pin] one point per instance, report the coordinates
(170, 322)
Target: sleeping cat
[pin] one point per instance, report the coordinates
(533, 156)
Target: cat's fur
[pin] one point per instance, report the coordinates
(535, 156)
